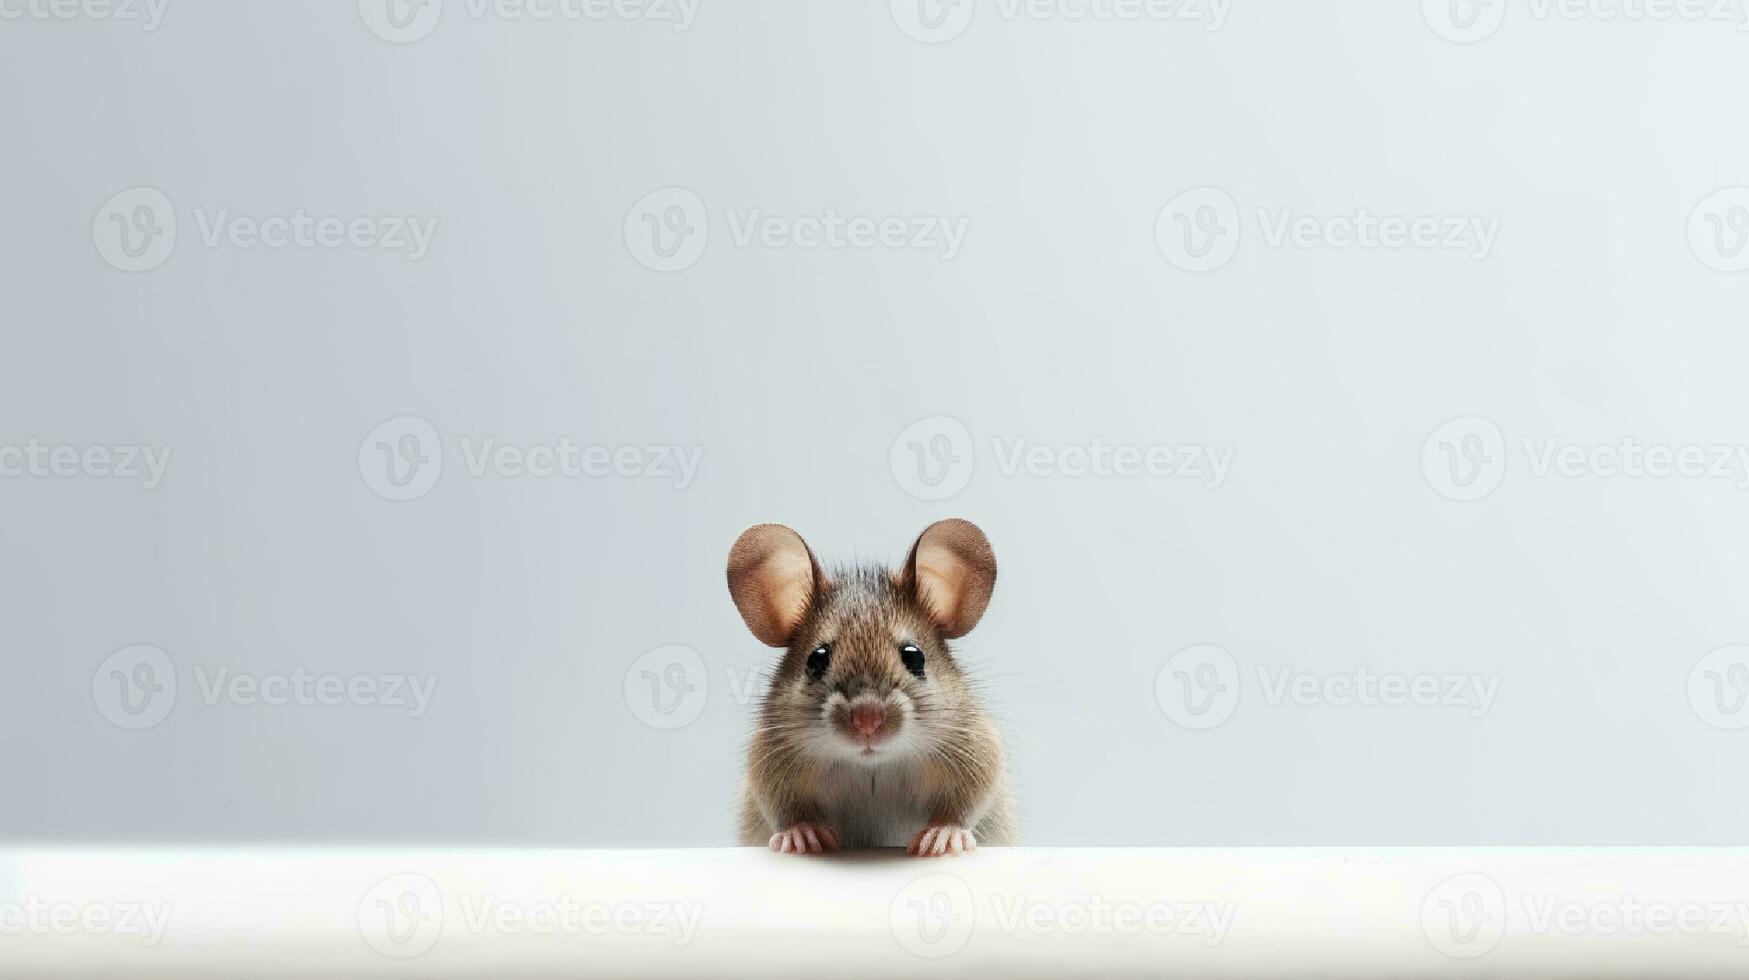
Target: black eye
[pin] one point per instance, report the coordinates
(818, 660)
(913, 658)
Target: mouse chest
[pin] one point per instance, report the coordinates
(873, 806)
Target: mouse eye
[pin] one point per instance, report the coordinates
(818, 660)
(913, 658)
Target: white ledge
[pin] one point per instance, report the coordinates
(94, 912)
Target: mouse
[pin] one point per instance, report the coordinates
(870, 733)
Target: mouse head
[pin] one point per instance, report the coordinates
(866, 673)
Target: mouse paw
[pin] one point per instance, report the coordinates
(805, 838)
(938, 840)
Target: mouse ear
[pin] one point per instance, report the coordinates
(952, 571)
(772, 577)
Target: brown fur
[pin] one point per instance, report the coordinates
(943, 762)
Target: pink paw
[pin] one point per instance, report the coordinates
(942, 839)
(805, 838)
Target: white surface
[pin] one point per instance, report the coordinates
(745, 912)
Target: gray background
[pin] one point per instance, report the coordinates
(794, 370)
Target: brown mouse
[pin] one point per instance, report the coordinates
(870, 734)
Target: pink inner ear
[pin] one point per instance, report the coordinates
(789, 581)
(955, 572)
(771, 577)
(941, 581)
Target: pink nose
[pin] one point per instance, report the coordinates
(867, 719)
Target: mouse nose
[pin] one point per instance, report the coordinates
(867, 717)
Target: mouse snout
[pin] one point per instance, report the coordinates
(867, 717)
(866, 721)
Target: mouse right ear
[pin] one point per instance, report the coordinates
(772, 577)
(952, 572)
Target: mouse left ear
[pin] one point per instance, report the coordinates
(773, 578)
(952, 572)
